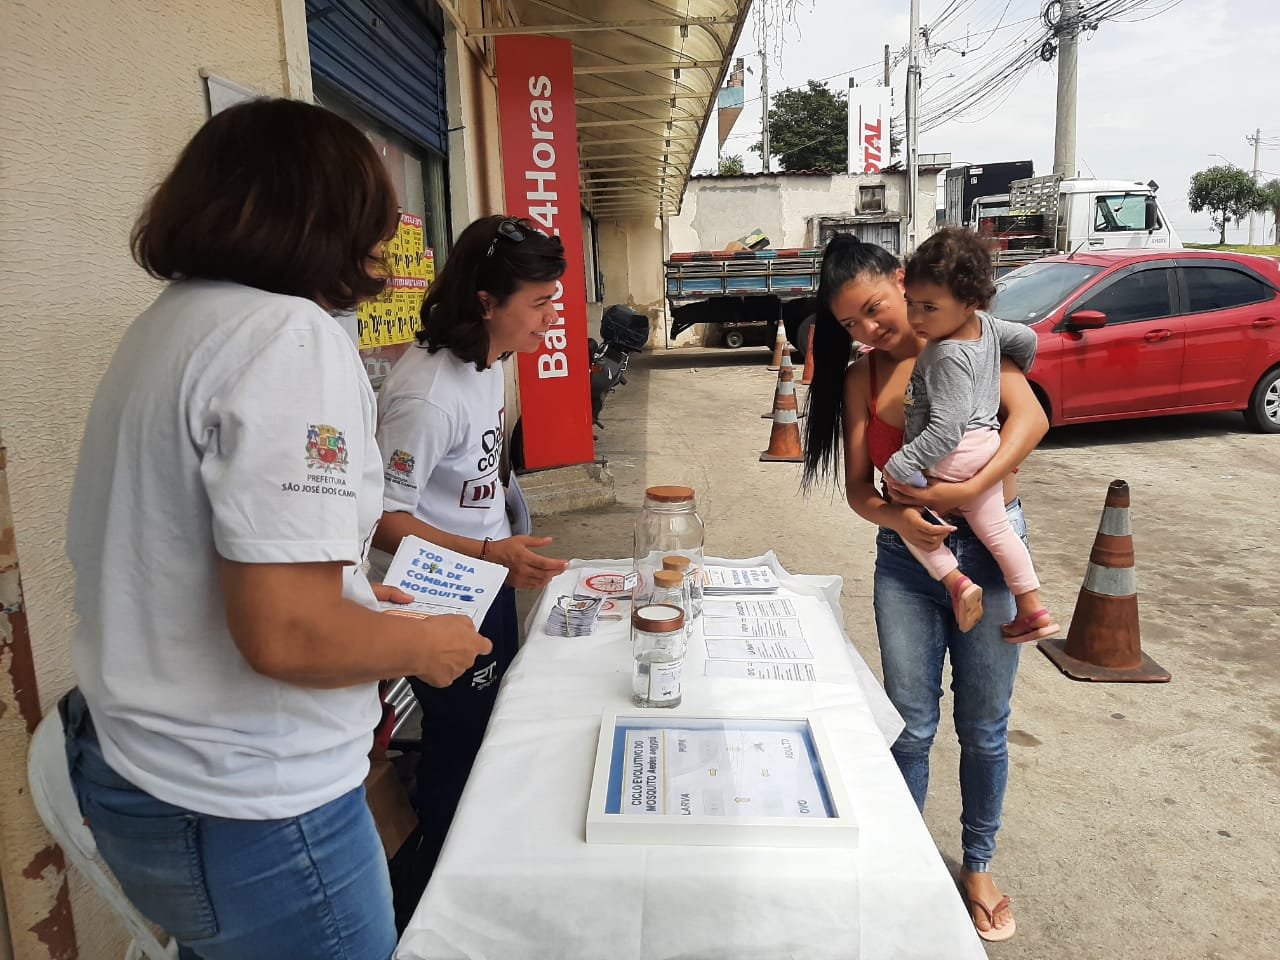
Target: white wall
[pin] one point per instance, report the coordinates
(717, 210)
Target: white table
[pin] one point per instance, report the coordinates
(517, 878)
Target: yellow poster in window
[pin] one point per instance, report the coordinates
(410, 234)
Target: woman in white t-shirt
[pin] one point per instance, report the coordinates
(441, 417)
(229, 645)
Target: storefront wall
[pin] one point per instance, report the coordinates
(631, 264)
(98, 99)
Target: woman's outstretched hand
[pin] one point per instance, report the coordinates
(528, 570)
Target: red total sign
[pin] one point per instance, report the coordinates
(540, 171)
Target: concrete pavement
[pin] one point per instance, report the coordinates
(1141, 819)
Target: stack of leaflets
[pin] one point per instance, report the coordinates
(737, 581)
(574, 616)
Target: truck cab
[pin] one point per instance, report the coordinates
(1095, 214)
(1113, 215)
(995, 205)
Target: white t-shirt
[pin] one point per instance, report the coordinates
(440, 430)
(234, 423)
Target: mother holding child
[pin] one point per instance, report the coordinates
(928, 399)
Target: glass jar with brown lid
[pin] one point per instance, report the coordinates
(668, 525)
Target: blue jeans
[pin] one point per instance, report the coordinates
(313, 887)
(454, 719)
(917, 631)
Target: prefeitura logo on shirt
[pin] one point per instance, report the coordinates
(400, 468)
(326, 459)
(326, 448)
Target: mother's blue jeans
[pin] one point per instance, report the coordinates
(917, 631)
(312, 887)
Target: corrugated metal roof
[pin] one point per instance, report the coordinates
(759, 173)
(647, 75)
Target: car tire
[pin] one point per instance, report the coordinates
(733, 339)
(1263, 412)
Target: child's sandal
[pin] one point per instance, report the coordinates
(1025, 629)
(966, 603)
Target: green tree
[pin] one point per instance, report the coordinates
(809, 129)
(729, 166)
(1227, 193)
(1270, 194)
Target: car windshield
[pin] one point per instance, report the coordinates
(1032, 292)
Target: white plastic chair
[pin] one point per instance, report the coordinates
(55, 801)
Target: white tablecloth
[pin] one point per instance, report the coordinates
(517, 878)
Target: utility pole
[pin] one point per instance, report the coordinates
(1064, 140)
(764, 95)
(888, 68)
(913, 128)
(1256, 140)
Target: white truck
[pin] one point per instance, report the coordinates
(1053, 214)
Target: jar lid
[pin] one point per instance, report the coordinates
(668, 579)
(679, 564)
(658, 618)
(670, 494)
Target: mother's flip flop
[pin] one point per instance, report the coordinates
(966, 603)
(995, 934)
(1024, 629)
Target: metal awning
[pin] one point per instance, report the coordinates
(647, 74)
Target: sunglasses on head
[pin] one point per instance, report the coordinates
(511, 229)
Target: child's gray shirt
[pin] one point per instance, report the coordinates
(954, 388)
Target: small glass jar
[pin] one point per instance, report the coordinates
(657, 651)
(671, 586)
(668, 525)
(692, 584)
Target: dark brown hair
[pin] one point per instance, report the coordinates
(846, 260)
(484, 260)
(274, 194)
(958, 260)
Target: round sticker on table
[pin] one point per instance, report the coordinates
(607, 582)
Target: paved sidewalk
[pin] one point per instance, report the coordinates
(1136, 820)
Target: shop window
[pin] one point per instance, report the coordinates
(387, 325)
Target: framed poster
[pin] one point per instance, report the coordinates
(736, 781)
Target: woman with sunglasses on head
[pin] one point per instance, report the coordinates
(229, 644)
(862, 408)
(441, 432)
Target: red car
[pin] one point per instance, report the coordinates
(1141, 333)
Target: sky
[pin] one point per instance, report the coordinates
(1157, 96)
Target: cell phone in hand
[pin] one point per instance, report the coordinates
(933, 518)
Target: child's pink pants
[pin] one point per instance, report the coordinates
(985, 516)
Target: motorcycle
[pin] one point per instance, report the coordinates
(622, 332)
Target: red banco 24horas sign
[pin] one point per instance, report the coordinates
(540, 171)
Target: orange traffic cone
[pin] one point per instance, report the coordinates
(808, 361)
(779, 348)
(786, 374)
(1103, 642)
(784, 438)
